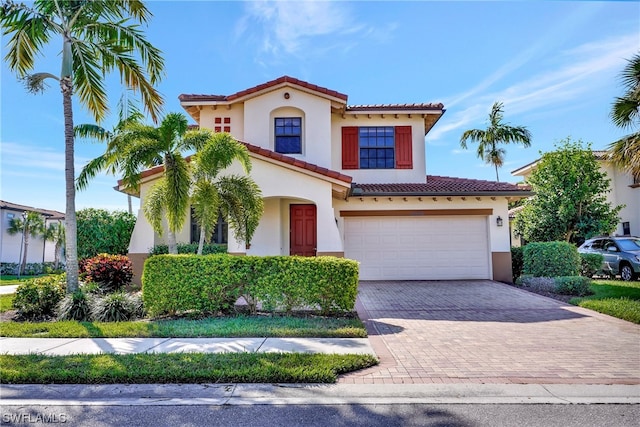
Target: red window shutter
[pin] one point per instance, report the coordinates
(404, 153)
(350, 147)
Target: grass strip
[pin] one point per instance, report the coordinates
(615, 298)
(8, 279)
(180, 368)
(6, 302)
(222, 327)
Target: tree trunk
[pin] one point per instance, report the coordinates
(25, 247)
(497, 178)
(66, 87)
(171, 242)
(56, 257)
(129, 203)
(201, 242)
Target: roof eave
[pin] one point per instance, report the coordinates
(520, 193)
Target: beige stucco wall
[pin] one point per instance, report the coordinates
(416, 175)
(235, 113)
(259, 114)
(622, 194)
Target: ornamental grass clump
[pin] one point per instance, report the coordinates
(116, 307)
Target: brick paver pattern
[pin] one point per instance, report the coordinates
(489, 332)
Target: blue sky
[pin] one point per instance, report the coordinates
(554, 65)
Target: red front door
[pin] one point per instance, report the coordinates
(303, 230)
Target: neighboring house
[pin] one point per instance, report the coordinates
(351, 181)
(625, 190)
(10, 247)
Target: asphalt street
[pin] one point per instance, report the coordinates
(453, 415)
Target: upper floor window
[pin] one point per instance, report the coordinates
(288, 135)
(377, 147)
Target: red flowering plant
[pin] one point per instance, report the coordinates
(109, 272)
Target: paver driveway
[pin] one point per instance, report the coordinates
(489, 332)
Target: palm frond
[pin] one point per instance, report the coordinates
(176, 174)
(88, 79)
(154, 205)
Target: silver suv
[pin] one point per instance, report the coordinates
(621, 255)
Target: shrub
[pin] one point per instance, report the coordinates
(547, 284)
(190, 248)
(551, 259)
(38, 298)
(516, 262)
(590, 264)
(76, 306)
(110, 272)
(212, 284)
(101, 231)
(573, 285)
(8, 268)
(115, 307)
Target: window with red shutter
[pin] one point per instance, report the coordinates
(350, 147)
(404, 155)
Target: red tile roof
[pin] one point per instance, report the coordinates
(441, 186)
(297, 162)
(267, 85)
(403, 107)
(271, 155)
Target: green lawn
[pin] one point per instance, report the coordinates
(240, 326)
(6, 280)
(6, 302)
(180, 368)
(615, 298)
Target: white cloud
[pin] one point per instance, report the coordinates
(584, 68)
(283, 29)
(36, 161)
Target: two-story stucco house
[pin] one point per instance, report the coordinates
(625, 190)
(350, 180)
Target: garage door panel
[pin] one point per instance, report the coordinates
(436, 248)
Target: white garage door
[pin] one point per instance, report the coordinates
(418, 248)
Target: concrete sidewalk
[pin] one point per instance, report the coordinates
(9, 289)
(66, 346)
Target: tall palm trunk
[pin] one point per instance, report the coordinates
(25, 247)
(171, 242)
(201, 242)
(66, 87)
(497, 178)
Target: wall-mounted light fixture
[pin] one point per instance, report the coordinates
(286, 95)
(499, 221)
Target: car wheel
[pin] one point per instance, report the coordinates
(626, 272)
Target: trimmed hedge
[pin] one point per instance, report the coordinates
(590, 264)
(212, 284)
(573, 285)
(551, 259)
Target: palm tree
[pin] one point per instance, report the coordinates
(136, 147)
(626, 115)
(55, 233)
(238, 198)
(128, 112)
(31, 225)
(497, 133)
(97, 38)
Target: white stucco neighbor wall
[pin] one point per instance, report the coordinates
(10, 245)
(373, 176)
(259, 114)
